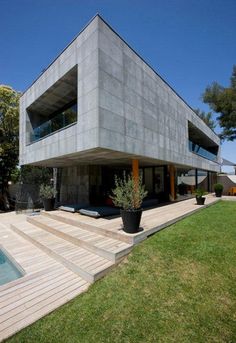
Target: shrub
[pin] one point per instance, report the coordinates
(127, 194)
(47, 192)
(218, 187)
(200, 192)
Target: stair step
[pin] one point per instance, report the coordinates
(109, 248)
(64, 218)
(86, 264)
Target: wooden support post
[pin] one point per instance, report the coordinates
(135, 172)
(172, 181)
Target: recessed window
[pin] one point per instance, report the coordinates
(55, 109)
(59, 120)
(201, 144)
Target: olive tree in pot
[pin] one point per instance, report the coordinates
(47, 194)
(218, 188)
(129, 194)
(200, 196)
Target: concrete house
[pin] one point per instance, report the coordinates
(99, 109)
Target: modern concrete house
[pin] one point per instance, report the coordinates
(98, 109)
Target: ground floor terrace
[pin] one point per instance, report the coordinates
(93, 184)
(62, 253)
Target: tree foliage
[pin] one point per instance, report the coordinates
(207, 117)
(222, 100)
(9, 133)
(34, 175)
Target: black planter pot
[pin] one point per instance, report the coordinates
(131, 220)
(218, 194)
(49, 204)
(200, 200)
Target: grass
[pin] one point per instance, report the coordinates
(177, 286)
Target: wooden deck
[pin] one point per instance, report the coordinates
(47, 284)
(62, 253)
(152, 221)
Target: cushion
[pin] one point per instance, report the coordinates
(89, 213)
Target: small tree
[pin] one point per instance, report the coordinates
(127, 193)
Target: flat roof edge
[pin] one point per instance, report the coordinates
(100, 17)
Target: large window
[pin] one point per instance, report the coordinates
(199, 150)
(201, 144)
(54, 109)
(58, 121)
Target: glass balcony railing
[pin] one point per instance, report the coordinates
(56, 123)
(197, 149)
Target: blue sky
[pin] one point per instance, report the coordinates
(190, 43)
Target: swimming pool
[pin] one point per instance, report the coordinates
(9, 271)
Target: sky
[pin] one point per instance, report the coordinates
(190, 43)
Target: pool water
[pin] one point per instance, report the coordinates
(8, 271)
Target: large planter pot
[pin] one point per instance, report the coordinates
(218, 194)
(48, 204)
(131, 220)
(200, 200)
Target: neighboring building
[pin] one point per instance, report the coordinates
(98, 107)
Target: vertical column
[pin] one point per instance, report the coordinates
(196, 178)
(208, 182)
(135, 172)
(55, 182)
(172, 181)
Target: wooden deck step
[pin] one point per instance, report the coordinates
(68, 219)
(86, 264)
(109, 248)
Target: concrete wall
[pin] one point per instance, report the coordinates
(74, 187)
(123, 105)
(138, 112)
(83, 52)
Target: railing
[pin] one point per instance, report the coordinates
(56, 123)
(197, 149)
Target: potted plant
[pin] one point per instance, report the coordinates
(129, 194)
(218, 188)
(200, 196)
(47, 194)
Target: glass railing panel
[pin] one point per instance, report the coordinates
(197, 149)
(56, 123)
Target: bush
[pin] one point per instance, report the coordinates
(218, 187)
(200, 192)
(47, 192)
(126, 194)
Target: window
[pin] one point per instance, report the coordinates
(58, 121)
(200, 144)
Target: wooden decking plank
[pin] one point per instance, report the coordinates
(41, 301)
(62, 299)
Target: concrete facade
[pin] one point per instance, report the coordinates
(125, 109)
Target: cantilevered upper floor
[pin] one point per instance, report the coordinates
(99, 102)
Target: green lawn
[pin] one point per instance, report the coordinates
(177, 286)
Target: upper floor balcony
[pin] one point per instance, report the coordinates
(200, 144)
(57, 122)
(53, 110)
